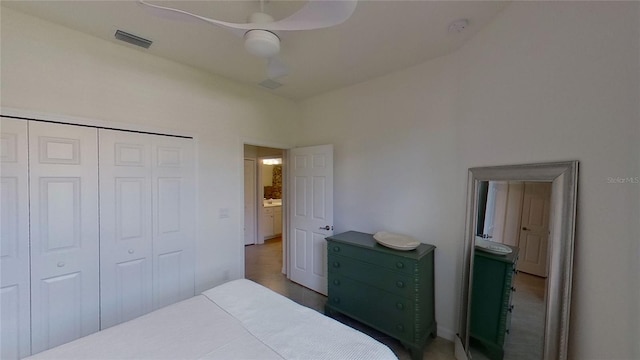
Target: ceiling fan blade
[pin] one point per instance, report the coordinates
(276, 68)
(316, 14)
(177, 14)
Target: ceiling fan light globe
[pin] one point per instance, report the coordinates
(261, 43)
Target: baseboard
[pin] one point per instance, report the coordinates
(446, 333)
(459, 351)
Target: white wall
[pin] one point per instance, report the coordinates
(545, 82)
(395, 165)
(51, 69)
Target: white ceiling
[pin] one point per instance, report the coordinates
(380, 37)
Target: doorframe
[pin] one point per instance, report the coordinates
(521, 211)
(260, 193)
(285, 200)
(255, 204)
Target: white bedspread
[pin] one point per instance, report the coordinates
(291, 330)
(237, 320)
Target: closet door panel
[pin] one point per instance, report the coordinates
(125, 226)
(173, 219)
(15, 341)
(64, 233)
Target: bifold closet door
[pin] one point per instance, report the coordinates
(63, 167)
(173, 220)
(15, 323)
(125, 226)
(146, 223)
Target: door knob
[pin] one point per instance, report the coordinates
(325, 227)
(525, 228)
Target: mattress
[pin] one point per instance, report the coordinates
(236, 320)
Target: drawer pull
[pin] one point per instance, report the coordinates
(513, 289)
(510, 309)
(336, 264)
(400, 327)
(336, 282)
(400, 284)
(336, 300)
(61, 264)
(400, 306)
(400, 265)
(131, 251)
(336, 249)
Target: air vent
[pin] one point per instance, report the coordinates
(270, 84)
(133, 39)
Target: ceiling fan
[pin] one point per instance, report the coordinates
(260, 33)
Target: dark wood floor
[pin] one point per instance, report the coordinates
(263, 264)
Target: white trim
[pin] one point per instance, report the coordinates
(564, 177)
(446, 333)
(459, 350)
(75, 120)
(242, 141)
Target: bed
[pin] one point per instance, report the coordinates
(236, 320)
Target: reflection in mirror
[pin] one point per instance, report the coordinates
(518, 262)
(509, 283)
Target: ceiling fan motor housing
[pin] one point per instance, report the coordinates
(261, 43)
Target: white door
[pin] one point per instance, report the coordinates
(311, 189)
(534, 229)
(173, 200)
(15, 323)
(125, 226)
(64, 233)
(250, 198)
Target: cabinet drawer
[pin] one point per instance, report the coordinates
(392, 281)
(389, 313)
(388, 261)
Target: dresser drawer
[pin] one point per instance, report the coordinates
(387, 312)
(392, 281)
(390, 290)
(388, 261)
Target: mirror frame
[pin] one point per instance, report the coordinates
(564, 191)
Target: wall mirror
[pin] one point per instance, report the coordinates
(518, 261)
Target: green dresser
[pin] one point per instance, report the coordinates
(389, 290)
(491, 301)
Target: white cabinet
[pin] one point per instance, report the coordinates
(97, 228)
(267, 222)
(277, 220)
(271, 221)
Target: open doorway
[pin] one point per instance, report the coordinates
(263, 200)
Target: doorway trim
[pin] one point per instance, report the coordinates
(252, 183)
(285, 201)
